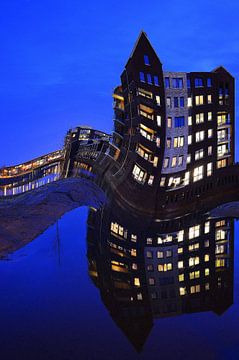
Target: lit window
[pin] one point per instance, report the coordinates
(189, 120)
(174, 161)
(209, 150)
(136, 282)
(194, 275)
(194, 289)
(151, 180)
(188, 158)
(165, 267)
(178, 142)
(146, 60)
(158, 100)
(180, 235)
(221, 163)
(139, 174)
(155, 162)
(193, 261)
(190, 103)
(141, 76)
(151, 281)
(207, 272)
(162, 181)
(206, 257)
(194, 231)
(149, 254)
(199, 118)
(180, 160)
(160, 254)
(169, 253)
(180, 250)
(209, 169)
(168, 102)
(149, 241)
(199, 100)
(198, 173)
(209, 99)
(206, 243)
(139, 296)
(168, 143)
(187, 178)
(181, 277)
(199, 154)
(210, 133)
(158, 120)
(169, 122)
(200, 136)
(182, 291)
(166, 163)
(180, 264)
(190, 139)
(134, 266)
(209, 116)
(207, 227)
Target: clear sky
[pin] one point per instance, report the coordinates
(61, 59)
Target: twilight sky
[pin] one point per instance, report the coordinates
(60, 60)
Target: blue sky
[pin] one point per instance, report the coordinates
(60, 60)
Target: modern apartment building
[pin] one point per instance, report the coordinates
(171, 129)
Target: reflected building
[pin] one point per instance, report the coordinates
(149, 270)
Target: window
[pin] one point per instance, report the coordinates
(179, 121)
(175, 102)
(200, 136)
(180, 250)
(199, 118)
(181, 101)
(158, 120)
(158, 100)
(222, 150)
(188, 83)
(157, 141)
(193, 261)
(168, 101)
(167, 82)
(210, 133)
(190, 139)
(199, 100)
(188, 158)
(151, 180)
(160, 254)
(190, 103)
(180, 160)
(194, 289)
(169, 122)
(206, 257)
(209, 82)
(177, 83)
(181, 277)
(209, 99)
(182, 291)
(221, 163)
(168, 143)
(178, 142)
(209, 116)
(180, 264)
(209, 169)
(141, 76)
(165, 267)
(194, 231)
(207, 272)
(198, 173)
(198, 82)
(209, 150)
(193, 247)
(151, 281)
(150, 267)
(199, 154)
(187, 178)
(136, 282)
(166, 163)
(162, 181)
(139, 174)
(194, 275)
(174, 161)
(149, 78)
(207, 227)
(149, 254)
(169, 253)
(146, 60)
(156, 80)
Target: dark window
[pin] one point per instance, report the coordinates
(188, 83)
(149, 78)
(167, 82)
(156, 80)
(175, 101)
(146, 60)
(181, 101)
(198, 82)
(209, 82)
(141, 76)
(179, 121)
(177, 83)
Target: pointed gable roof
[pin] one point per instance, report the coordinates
(142, 38)
(221, 69)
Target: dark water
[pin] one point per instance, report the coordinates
(51, 309)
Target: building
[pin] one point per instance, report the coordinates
(172, 130)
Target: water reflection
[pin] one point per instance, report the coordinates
(146, 269)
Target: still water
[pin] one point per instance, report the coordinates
(51, 308)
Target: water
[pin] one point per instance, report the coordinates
(51, 309)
